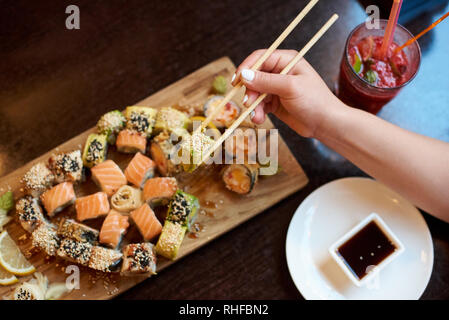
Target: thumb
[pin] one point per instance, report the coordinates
(264, 82)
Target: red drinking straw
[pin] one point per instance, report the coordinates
(410, 41)
(391, 26)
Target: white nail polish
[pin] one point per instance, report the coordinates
(252, 114)
(248, 74)
(233, 78)
(245, 98)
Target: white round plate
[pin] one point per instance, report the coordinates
(331, 211)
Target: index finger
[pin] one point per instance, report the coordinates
(274, 63)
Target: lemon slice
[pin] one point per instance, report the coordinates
(11, 258)
(7, 278)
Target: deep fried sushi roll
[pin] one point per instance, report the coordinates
(30, 213)
(139, 258)
(75, 251)
(67, 166)
(45, 237)
(69, 228)
(104, 259)
(38, 179)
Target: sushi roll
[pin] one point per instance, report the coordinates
(75, 251)
(108, 176)
(169, 119)
(161, 151)
(159, 191)
(170, 239)
(146, 221)
(228, 114)
(114, 227)
(242, 144)
(110, 125)
(193, 149)
(30, 213)
(140, 119)
(104, 259)
(183, 208)
(58, 198)
(38, 179)
(139, 258)
(95, 150)
(67, 166)
(28, 291)
(69, 228)
(92, 206)
(129, 141)
(127, 199)
(45, 237)
(240, 178)
(139, 170)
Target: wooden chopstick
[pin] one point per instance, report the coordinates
(287, 68)
(258, 63)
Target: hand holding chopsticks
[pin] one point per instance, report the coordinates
(292, 63)
(258, 63)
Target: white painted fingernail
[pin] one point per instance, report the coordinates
(245, 98)
(248, 74)
(252, 114)
(233, 78)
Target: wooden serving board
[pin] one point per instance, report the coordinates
(221, 210)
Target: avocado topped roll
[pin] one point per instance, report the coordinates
(180, 216)
(140, 119)
(183, 209)
(169, 119)
(192, 150)
(67, 166)
(110, 124)
(95, 150)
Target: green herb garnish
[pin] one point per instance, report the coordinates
(220, 85)
(371, 76)
(7, 201)
(357, 64)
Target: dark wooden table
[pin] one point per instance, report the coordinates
(55, 83)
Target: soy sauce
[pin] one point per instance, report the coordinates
(368, 247)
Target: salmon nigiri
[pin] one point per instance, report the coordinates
(113, 228)
(58, 197)
(159, 190)
(145, 219)
(139, 170)
(131, 142)
(108, 176)
(92, 206)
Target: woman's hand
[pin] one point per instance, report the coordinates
(301, 98)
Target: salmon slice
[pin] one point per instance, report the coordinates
(58, 197)
(158, 190)
(131, 142)
(92, 206)
(114, 227)
(108, 176)
(139, 170)
(145, 219)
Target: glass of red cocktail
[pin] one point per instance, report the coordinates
(368, 79)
